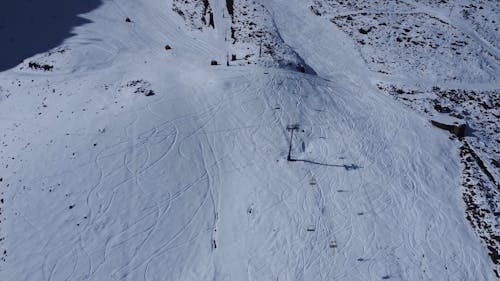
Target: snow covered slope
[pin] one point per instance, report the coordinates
(439, 58)
(121, 160)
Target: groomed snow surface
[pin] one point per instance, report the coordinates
(192, 183)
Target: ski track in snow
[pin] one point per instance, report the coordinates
(193, 182)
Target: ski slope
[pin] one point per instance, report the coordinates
(193, 183)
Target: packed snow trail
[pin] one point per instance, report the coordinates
(193, 182)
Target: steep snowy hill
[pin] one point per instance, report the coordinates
(441, 59)
(123, 158)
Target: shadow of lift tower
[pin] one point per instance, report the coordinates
(295, 127)
(291, 129)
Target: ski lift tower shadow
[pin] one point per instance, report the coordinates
(295, 127)
(291, 128)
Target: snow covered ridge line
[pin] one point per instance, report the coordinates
(432, 43)
(252, 37)
(480, 15)
(255, 38)
(416, 42)
(423, 47)
(479, 153)
(479, 110)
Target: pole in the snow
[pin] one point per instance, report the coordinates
(260, 48)
(291, 128)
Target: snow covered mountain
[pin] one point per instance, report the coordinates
(249, 140)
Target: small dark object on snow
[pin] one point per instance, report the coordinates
(365, 31)
(148, 93)
(301, 68)
(233, 57)
(292, 127)
(214, 62)
(168, 47)
(128, 20)
(71, 207)
(442, 109)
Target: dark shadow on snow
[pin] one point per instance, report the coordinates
(347, 167)
(295, 127)
(29, 27)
